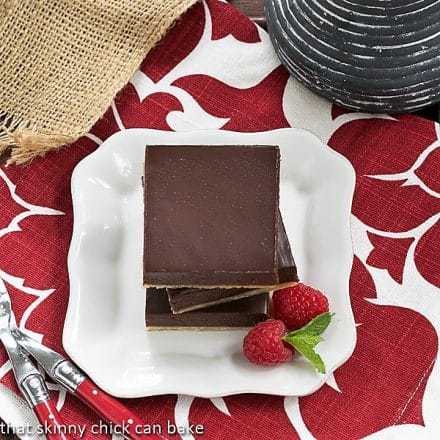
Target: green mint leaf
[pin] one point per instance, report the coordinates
(308, 339)
(305, 339)
(316, 326)
(303, 345)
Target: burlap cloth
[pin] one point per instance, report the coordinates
(63, 61)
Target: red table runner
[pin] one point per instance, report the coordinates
(216, 69)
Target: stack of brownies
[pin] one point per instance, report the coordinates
(214, 240)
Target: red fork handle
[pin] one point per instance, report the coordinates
(49, 418)
(113, 411)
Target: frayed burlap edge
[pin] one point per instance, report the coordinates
(21, 141)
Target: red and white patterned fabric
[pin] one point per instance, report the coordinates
(216, 69)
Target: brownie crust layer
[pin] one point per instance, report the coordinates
(242, 313)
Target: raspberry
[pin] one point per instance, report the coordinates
(298, 305)
(263, 344)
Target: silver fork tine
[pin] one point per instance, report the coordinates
(5, 307)
(29, 380)
(46, 357)
(26, 374)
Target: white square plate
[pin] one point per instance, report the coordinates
(105, 331)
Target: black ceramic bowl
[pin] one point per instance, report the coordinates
(371, 55)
